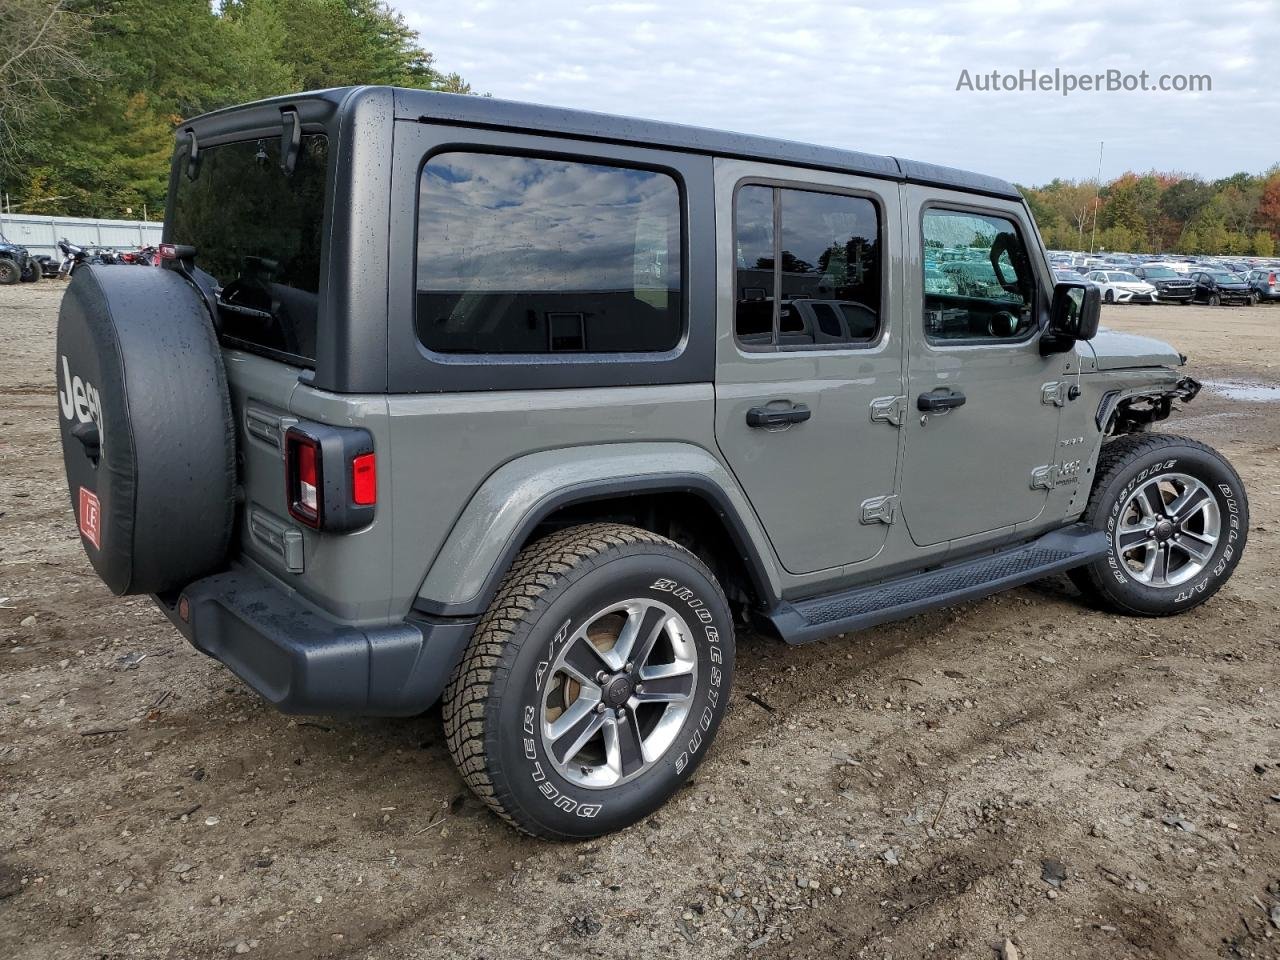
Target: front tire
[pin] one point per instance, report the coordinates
(1110, 297)
(594, 684)
(1215, 300)
(1176, 518)
(10, 273)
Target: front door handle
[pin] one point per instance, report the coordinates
(778, 416)
(940, 399)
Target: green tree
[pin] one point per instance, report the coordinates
(163, 60)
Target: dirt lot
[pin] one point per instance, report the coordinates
(890, 794)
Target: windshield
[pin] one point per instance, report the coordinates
(1223, 277)
(1160, 273)
(259, 233)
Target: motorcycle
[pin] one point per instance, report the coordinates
(146, 256)
(73, 255)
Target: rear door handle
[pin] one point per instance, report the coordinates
(778, 416)
(940, 398)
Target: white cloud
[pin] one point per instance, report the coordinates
(883, 80)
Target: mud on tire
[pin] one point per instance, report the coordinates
(1176, 517)
(563, 610)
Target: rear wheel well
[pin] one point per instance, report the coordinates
(686, 517)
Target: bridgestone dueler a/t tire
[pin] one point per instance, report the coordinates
(1124, 464)
(492, 706)
(148, 440)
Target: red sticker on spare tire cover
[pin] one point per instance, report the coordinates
(90, 517)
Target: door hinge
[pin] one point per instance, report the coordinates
(1054, 394)
(879, 509)
(888, 410)
(1055, 475)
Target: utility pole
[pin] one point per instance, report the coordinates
(1097, 201)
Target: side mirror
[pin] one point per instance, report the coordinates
(1073, 315)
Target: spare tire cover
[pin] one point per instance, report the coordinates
(147, 430)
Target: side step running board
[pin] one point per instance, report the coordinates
(866, 606)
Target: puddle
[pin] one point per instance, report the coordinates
(1244, 390)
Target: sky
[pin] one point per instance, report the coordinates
(883, 79)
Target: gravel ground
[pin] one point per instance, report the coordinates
(1020, 774)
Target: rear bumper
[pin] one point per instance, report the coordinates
(302, 661)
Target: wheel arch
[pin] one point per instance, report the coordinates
(646, 484)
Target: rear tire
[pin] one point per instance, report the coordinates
(1176, 518)
(1110, 297)
(32, 273)
(559, 740)
(9, 272)
(1214, 300)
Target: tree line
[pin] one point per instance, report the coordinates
(91, 90)
(1238, 215)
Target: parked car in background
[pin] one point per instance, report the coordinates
(1171, 286)
(1120, 286)
(1218, 286)
(1265, 284)
(937, 282)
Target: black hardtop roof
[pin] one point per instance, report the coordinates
(428, 105)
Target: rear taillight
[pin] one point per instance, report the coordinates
(304, 475)
(330, 476)
(364, 480)
(1271, 279)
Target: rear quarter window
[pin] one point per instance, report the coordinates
(541, 255)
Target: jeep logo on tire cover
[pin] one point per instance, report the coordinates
(79, 399)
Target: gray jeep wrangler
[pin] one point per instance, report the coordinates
(529, 410)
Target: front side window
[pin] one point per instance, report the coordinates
(808, 269)
(994, 285)
(535, 255)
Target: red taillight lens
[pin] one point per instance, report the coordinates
(364, 480)
(303, 478)
(167, 251)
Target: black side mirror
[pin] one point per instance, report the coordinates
(1073, 315)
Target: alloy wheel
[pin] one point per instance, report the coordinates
(618, 692)
(1169, 530)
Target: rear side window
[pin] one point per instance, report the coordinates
(808, 269)
(537, 255)
(259, 233)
